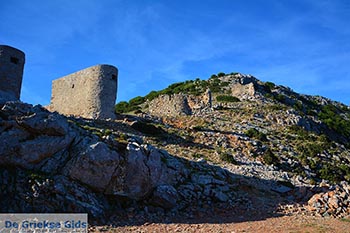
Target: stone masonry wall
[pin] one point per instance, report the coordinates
(89, 93)
(11, 73)
(169, 105)
(179, 104)
(243, 91)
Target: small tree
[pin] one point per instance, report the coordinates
(221, 74)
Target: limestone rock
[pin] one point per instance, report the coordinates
(43, 123)
(164, 196)
(34, 135)
(93, 166)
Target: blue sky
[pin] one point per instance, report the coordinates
(303, 44)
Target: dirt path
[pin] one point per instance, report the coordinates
(296, 223)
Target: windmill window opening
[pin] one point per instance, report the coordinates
(14, 60)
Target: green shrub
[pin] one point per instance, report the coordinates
(301, 133)
(122, 107)
(311, 104)
(270, 85)
(225, 157)
(270, 158)
(227, 98)
(125, 107)
(330, 115)
(311, 149)
(253, 133)
(328, 172)
(152, 95)
(107, 132)
(221, 74)
(224, 84)
(137, 101)
(280, 98)
(215, 89)
(268, 95)
(122, 138)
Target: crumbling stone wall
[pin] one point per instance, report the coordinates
(89, 93)
(243, 90)
(11, 73)
(179, 104)
(169, 105)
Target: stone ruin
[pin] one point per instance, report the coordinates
(244, 87)
(11, 73)
(179, 104)
(241, 86)
(89, 93)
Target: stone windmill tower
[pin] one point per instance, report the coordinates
(88, 93)
(11, 73)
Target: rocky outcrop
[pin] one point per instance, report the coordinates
(240, 85)
(50, 163)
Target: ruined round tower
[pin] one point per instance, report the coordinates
(11, 73)
(89, 93)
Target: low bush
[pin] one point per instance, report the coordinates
(228, 158)
(330, 115)
(253, 133)
(270, 158)
(271, 85)
(137, 100)
(221, 74)
(227, 98)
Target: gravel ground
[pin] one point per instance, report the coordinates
(294, 223)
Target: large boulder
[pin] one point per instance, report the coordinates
(93, 164)
(143, 170)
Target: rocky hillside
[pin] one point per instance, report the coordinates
(51, 163)
(253, 128)
(250, 121)
(228, 144)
